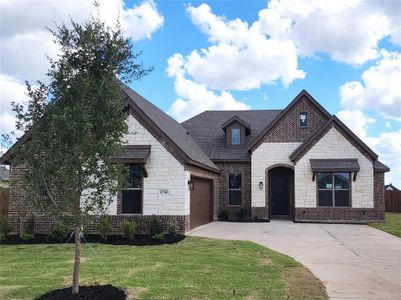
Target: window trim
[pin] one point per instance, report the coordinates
(239, 136)
(132, 189)
(334, 189)
(241, 189)
(299, 119)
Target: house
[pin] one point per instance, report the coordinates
(390, 187)
(4, 177)
(300, 163)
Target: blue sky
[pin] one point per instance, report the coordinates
(256, 55)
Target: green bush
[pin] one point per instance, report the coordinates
(30, 225)
(223, 215)
(4, 227)
(159, 236)
(105, 225)
(173, 228)
(27, 237)
(129, 228)
(242, 213)
(155, 226)
(59, 232)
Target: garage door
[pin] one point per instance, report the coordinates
(201, 209)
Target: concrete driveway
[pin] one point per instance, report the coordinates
(353, 261)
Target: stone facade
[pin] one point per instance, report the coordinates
(266, 156)
(165, 172)
(333, 145)
(235, 212)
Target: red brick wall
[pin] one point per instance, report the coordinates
(245, 170)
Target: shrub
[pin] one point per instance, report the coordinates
(173, 228)
(223, 215)
(4, 227)
(159, 236)
(242, 214)
(30, 225)
(155, 226)
(27, 236)
(129, 228)
(105, 225)
(59, 232)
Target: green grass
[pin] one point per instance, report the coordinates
(196, 268)
(392, 224)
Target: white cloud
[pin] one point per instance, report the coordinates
(387, 145)
(25, 41)
(349, 31)
(194, 97)
(380, 88)
(240, 57)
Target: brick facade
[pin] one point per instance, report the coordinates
(235, 211)
(287, 130)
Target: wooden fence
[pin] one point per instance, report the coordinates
(3, 201)
(392, 201)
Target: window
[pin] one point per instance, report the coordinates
(132, 192)
(235, 136)
(303, 119)
(234, 189)
(333, 189)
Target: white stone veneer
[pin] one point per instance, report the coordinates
(265, 156)
(164, 173)
(333, 145)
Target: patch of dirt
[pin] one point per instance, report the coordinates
(302, 284)
(265, 262)
(139, 240)
(134, 293)
(94, 292)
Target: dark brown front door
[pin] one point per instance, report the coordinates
(280, 191)
(201, 208)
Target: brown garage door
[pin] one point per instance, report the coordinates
(201, 209)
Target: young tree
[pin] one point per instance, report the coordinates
(74, 126)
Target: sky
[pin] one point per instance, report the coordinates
(235, 55)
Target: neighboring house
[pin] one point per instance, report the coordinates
(390, 187)
(299, 163)
(4, 177)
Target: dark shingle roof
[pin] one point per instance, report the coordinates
(206, 130)
(170, 129)
(378, 166)
(332, 165)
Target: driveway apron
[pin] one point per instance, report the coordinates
(353, 261)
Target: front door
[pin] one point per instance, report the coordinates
(280, 191)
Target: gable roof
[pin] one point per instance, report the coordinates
(239, 120)
(299, 97)
(173, 132)
(390, 187)
(308, 143)
(205, 129)
(378, 166)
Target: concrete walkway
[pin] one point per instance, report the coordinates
(353, 261)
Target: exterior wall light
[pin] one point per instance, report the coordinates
(261, 185)
(191, 185)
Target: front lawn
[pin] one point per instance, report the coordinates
(196, 268)
(392, 224)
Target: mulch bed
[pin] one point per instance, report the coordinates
(140, 240)
(93, 292)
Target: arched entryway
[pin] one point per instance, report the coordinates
(280, 192)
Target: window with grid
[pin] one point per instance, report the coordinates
(235, 136)
(132, 192)
(333, 189)
(234, 189)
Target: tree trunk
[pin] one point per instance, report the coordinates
(77, 261)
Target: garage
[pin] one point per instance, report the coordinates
(201, 208)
